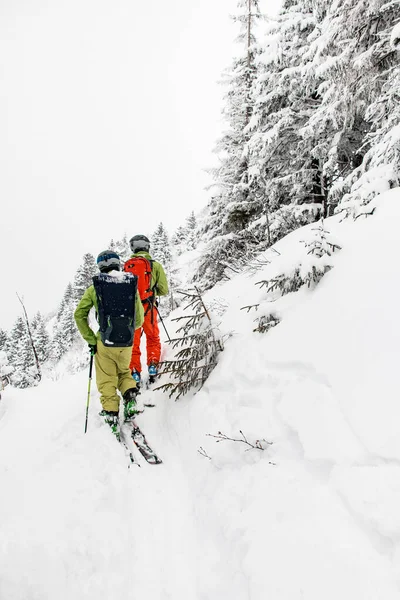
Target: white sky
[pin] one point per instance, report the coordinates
(109, 112)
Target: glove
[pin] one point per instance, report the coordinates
(93, 349)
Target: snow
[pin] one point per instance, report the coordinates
(395, 37)
(313, 515)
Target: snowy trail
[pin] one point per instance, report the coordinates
(80, 522)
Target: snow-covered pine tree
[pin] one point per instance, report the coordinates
(65, 331)
(21, 357)
(197, 348)
(162, 252)
(41, 338)
(178, 240)
(161, 248)
(3, 339)
(191, 232)
(5, 370)
(186, 237)
(284, 156)
(233, 204)
(380, 169)
(84, 275)
(122, 248)
(352, 54)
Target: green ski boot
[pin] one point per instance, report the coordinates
(130, 409)
(111, 418)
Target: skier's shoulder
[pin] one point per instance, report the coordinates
(155, 264)
(89, 293)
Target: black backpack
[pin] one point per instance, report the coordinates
(116, 308)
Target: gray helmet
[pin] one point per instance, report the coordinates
(139, 242)
(108, 260)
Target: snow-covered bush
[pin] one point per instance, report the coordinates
(285, 276)
(197, 348)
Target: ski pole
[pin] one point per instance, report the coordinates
(161, 319)
(88, 393)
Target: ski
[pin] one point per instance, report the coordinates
(129, 454)
(142, 444)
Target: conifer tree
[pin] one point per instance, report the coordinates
(160, 247)
(197, 348)
(3, 339)
(191, 232)
(376, 84)
(41, 338)
(161, 251)
(233, 204)
(186, 236)
(84, 276)
(65, 331)
(286, 155)
(122, 248)
(5, 370)
(178, 240)
(20, 355)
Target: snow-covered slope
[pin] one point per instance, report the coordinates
(314, 515)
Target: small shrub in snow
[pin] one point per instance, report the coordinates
(311, 269)
(266, 322)
(198, 348)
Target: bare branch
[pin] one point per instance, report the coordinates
(39, 372)
(203, 452)
(258, 444)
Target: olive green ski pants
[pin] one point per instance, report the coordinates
(112, 373)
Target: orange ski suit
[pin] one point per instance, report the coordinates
(159, 285)
(153, 344)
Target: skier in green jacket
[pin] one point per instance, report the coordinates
(112, 363)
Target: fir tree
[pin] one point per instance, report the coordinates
(41, 338)
(5, 370)
(233, 204)
(191, 232)
(122, 248)
(3, 339)
(161, 251)
(20, 355)
(65, 331)
(84, 276)
(178, 240)
(186, 237)
(285, 168)
(378, 79)
(160, 247)
(197, 348)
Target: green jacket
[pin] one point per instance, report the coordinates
(159, 281)
(88, 300)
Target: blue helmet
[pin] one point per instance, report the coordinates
(108, 260)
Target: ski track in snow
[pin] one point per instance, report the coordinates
(82, 523)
